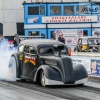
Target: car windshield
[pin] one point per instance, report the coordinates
(49, 50)
(94, 41)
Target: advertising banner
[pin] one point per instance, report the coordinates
(70, 35)
(95, 67)
(83, 61)
(96, 32)
(33, 20)
(68, 19)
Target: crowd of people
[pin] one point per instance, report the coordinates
(3, 39)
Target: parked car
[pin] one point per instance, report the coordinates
(88, 44)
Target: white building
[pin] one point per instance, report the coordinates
(12, 15)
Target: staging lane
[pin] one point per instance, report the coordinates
(74, 91)
(13, 92)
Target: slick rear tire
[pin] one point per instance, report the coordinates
(12, 66)
(42, 78)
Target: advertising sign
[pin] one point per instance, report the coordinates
(96, 32)
(83, 61)
(71, 36)
(71, 19)
(32, 20)
(95, 67)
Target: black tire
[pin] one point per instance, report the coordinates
(23, 80)
(42, 78)
(80, 85)
(76, 49)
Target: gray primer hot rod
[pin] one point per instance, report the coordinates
(48, 62)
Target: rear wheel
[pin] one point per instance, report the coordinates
(42, 78)
(12, 66)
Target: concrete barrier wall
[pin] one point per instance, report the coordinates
(91, 64)
(86, 54)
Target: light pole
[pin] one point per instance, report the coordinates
(90, 1)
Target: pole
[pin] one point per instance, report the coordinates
(91, 15)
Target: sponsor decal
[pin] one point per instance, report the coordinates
(21, 57)
(30, 59)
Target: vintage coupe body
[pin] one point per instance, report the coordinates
(48, 62)
(88, 44)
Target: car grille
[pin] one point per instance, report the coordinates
(68, 73)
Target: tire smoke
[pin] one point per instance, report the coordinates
(7, 73)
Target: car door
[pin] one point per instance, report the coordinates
(29, 63)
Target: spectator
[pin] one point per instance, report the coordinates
(61, 39)
(15, 41)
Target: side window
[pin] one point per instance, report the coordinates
(21, 47)
(55, 9)
(34, 10)
(68, 9)
(26, 49)
(32, 50)
(84, 41)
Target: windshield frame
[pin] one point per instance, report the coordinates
(95, 43)
(50, 45)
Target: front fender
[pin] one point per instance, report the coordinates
(50, 73)
(80, 72)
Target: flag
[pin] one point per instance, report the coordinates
(58, 32)
(80, 32)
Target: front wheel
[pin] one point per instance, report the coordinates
(80, 85)
(42, 78)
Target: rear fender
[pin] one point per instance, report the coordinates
(50, 73)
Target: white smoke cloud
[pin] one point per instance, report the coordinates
(7, 73)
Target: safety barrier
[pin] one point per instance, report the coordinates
(92, 65)
(86, 54)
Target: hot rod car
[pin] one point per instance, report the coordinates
(47, 62)
(88, 44)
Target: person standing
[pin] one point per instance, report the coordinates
(61, 39)
(15, 42)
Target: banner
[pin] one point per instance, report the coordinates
(68, 19)
(96, 32)
(71, 36)
(83, 61)
(95, 67)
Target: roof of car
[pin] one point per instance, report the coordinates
(40, 41)
(90, 37)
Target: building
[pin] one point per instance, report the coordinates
(12, 16)
(71, 19)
